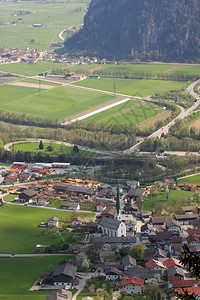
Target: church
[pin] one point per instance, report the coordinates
(113, 227)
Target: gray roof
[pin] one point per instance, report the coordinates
(144, 273)
(175, 270)
(65, 269)
(29, 192)
(128, 259)
(109, 223)
(114, 240)
(60, 295)
(112, 270)
(74, 188)
(136, 192)
(53, 219)
(170, 224)
(186, 217)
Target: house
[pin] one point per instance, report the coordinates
(63, 274)
(118, 242)
(145, 273)
(188, 209)
(160, 220)
(109, 212)
(177, 271)
(73, 189)
(171, 262)
(77, 221)
(11, 178)
(161, 237)
(42, 200)
(112, 227)
(24, 177)
(176, 283)
(130, 222)
(154, 253)
(136, 194)
(27, 195)
(52, 222)
(185, 219)
(101, 206)
(70, 206)
(133, 184)
(128, 262)
(60, 295)
(113, 273)
(156, 265)
(148, 229)
(193, 240)
(172, 227)
(132, 285)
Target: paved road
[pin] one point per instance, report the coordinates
(82, 283)
(183, 114)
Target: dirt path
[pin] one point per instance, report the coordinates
(172, 70)
(32, 85)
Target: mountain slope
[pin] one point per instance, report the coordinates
(145, 29)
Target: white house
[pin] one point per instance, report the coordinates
(52, 222)
(112, 227)
(128, 262)
(101, 206)
(77, 221)
(41, 200)
(132, 285)
(156, 265)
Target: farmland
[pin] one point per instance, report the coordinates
(19, 228)
(58, 103)
(132, 87)
(54, 16)
(131, 112)
(190, 179)
(58, 149)
(19, 274)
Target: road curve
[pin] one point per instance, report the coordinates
(183, 114)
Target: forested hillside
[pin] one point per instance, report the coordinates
(145, 29)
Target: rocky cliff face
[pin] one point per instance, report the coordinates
(145, 29)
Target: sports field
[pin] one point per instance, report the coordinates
(20, 232)
(131, 112)
(54, 16)
(19, 274)
(34, 147)
(132, 87)
(58, 103)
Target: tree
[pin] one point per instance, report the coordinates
(41, 145)
(75, 149)
(50, 148)
(137, 251)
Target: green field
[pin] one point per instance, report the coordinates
(149, 203)
(191, 179)
(58, 103)
(54, 16)
(19, 274)
(28, 69)
(131, 112)
(19, 229)
(34, 147)
(155, 68)
(38, 82)
(132, 87)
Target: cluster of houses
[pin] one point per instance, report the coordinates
(162, 238)
(17, 56)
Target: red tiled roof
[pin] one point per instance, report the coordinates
(182, 283)
(192, 290)
(132, 280)
(77, 219)
(171, 262)
(193, 237)
(194, 231)
(102, 204)
(177, 239)
(154, 263)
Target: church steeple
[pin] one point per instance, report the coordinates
(117, 211)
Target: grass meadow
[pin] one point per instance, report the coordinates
(58, 149)
(19, 274)
(191, 179)
(131, 112)
(149, 203)
(54, 16)
(58, 103)
(19, 229)
(132, 87)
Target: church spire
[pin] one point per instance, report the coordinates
(117, 211)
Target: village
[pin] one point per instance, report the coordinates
(129, 247)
